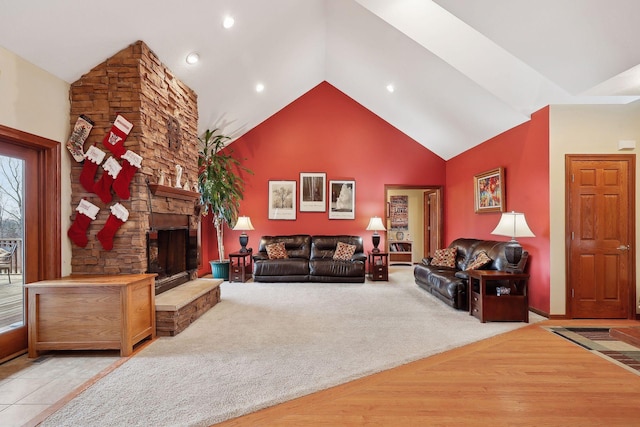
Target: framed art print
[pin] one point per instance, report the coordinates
(489, 191)
(343, 199)
(282, 200)
(313, 192)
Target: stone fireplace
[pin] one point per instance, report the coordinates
(161, 233)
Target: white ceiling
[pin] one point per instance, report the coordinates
(464, 71)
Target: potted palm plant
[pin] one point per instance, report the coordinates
(221, 188)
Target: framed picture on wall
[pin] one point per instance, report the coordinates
(489, 191)
(343, 200)
(282, 200)
(313, 192)
(399, 212)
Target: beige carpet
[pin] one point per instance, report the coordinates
(269, 343)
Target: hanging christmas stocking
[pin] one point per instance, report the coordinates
(114, 140)
(79, 135)
(119, 215)
(87, 212)
(130, 166)
(103, 186)
(93, 157)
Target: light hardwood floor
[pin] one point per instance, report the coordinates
(528, 377)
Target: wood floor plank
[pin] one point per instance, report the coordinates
(527, 377)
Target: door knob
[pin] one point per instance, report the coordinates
(623, 247)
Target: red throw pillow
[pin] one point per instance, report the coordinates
(481, 260)
(277, 251)
(344, 251)
(445, 257)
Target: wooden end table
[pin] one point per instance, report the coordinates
(487, 305)
(379, 266)
(240, 266)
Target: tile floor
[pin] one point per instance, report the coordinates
(30, 386)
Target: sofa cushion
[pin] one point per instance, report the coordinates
(325, 246)
(295, 268)
(297, 245)
(344, 251)
(481, 260)
(444, 257)
(337, 268)
(277, 251)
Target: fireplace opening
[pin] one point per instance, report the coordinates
(172, 254)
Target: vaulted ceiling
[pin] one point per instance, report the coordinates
(462, 71)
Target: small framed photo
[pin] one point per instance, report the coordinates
(343, 200)
(489, 191)
(313, 192)
(282, 200)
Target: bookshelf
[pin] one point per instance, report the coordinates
(400, 251)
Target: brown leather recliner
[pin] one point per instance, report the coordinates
(451, 284)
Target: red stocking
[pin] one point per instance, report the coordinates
(103, 187)
(87, 212)
(130, 166)
(114, 140)
(119, 215)
(93, 157)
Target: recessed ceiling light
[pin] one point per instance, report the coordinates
(192, 58)
(390, 88)
(228, 22)
(259, 87)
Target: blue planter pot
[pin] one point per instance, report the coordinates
(220, 269)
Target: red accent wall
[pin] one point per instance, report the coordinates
(324, 131)
(524, 153)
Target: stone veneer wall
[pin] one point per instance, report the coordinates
(135, 84)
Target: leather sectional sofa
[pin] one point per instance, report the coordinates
(309, 259)
(450, 284)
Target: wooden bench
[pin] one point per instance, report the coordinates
(179, 307)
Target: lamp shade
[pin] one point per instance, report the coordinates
(243, 223)
(513, 224)
(375, 224)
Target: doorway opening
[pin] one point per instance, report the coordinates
(39, 256)
(414, 221)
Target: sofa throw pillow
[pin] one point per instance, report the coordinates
(481, 260)
(277, 251)
(344, 251)
(445, 257)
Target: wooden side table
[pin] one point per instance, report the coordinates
(379, 266)
(487, 304)
(240, 266)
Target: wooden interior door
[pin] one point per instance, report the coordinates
(600, 228)
(432, 222)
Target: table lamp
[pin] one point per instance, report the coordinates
(375, 224)
(513, 224)
(243, 223)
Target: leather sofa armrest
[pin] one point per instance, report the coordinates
(260, 256)
(462, 275)
(358, 256)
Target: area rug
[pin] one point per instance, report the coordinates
(598, 341)
(266, 343)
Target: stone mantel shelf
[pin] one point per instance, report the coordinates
(176, 193)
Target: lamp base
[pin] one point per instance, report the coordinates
(513, 255)
(244, 240)
(375, 239)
